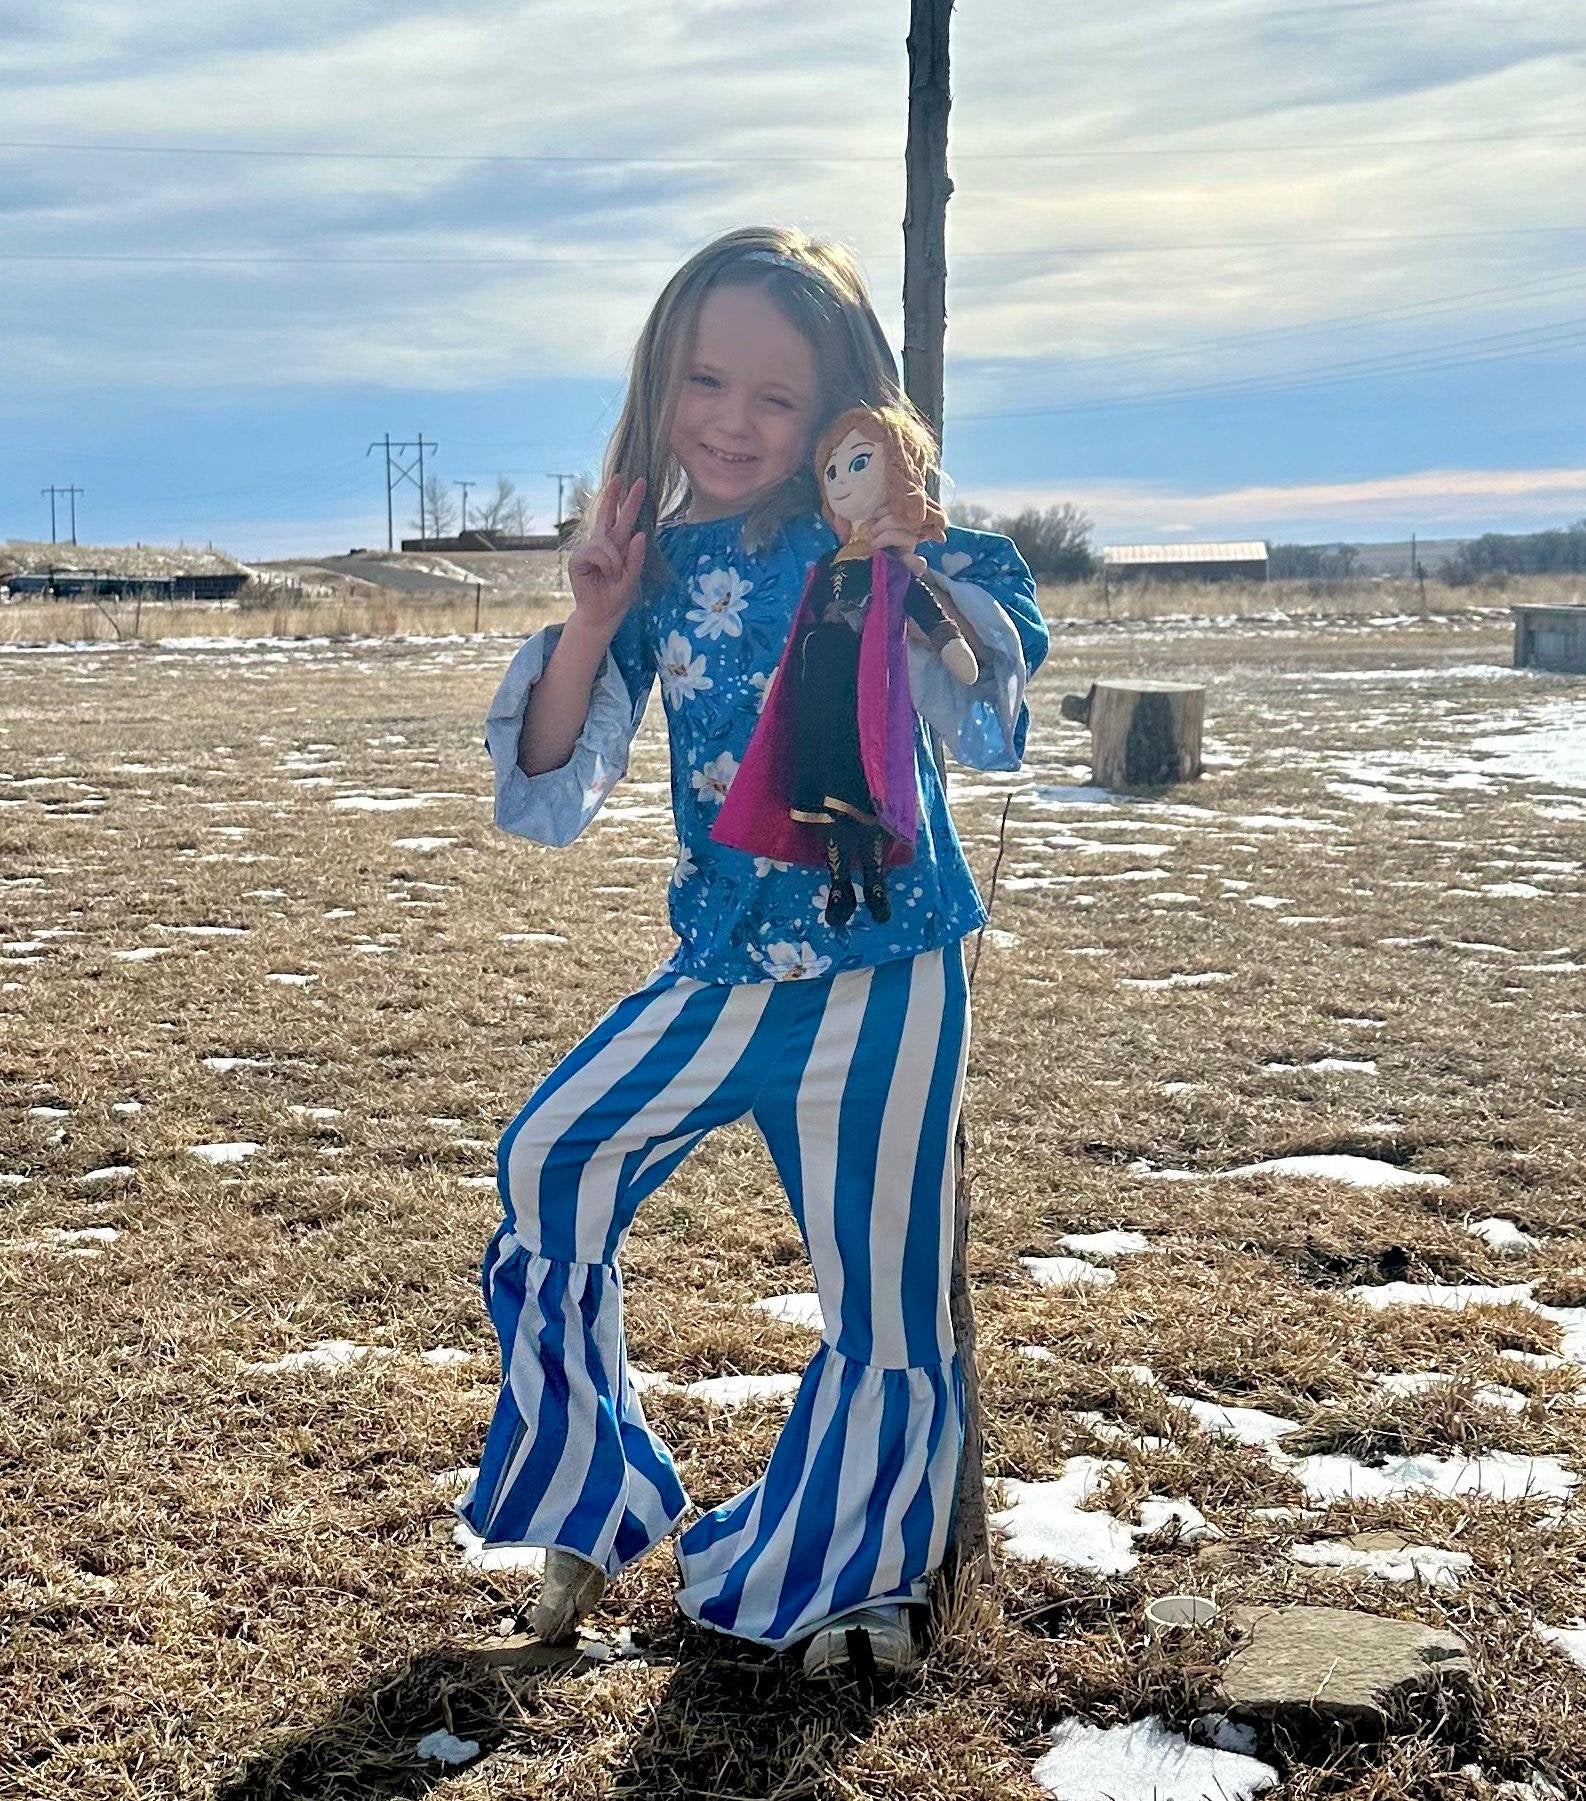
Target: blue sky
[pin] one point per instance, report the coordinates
(1219, 268)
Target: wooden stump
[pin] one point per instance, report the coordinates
(1142, 734)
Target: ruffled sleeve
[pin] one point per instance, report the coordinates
(983, 725)
(555, 806)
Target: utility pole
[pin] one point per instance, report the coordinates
(52, 490)
(561, 477)
(465, 486)
(397, 472)
(927, 191)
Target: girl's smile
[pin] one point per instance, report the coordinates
(745, 404)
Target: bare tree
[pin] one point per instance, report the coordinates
(972, 516)
(501, 509)
(440, 510)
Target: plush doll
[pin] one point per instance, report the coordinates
(828, 777)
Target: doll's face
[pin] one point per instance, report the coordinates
(855, 476)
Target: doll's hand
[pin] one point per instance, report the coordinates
(886, 534)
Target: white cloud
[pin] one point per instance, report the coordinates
(1426, 500)
(738, 82)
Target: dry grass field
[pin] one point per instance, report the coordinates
(271, 985)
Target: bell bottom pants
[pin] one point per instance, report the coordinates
(855, 1081)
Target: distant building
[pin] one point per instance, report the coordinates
(1185, 562)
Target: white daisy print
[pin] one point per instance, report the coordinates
(719, 597)
(684, 867)
(764, 865)
(712, 782)
(682, 672)
(762, 680)
(793, 962)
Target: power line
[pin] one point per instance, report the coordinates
(1569, 332)
(1542, 287)
(434, 260)
(619, 160)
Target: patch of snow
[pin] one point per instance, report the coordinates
(795, 1310)
(1571, 1640)
(1068, 1273)
(1409, 1563)
(1358, 1066)
(236, 1152)
(1248, 1425)
(1118, 1243)
(1179, 980)
(1503, 1236)
(329, 1353)
(425, 846)
(477, 1555)
(1047, 1520)
(1359, 1172)
(290, 979)
(112, 1172)
(1497, 1475)
(1144, 1761)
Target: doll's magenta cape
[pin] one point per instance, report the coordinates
(754, 815)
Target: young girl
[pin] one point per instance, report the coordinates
(846, 1044)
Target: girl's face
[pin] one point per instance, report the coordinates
(855, 477)
(746, 402)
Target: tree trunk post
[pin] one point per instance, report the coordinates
(928, 189)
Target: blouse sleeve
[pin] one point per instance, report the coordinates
(984, 724)
(555, 806)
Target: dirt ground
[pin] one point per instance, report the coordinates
(227, 1580)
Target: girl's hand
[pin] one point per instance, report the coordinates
(605, 567)
(887, 534)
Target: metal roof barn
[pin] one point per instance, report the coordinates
(1199, 562)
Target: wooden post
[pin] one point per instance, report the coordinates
(927, 191)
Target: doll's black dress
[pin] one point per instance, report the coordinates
(828, 786)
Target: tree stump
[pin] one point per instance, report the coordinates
(1142, 734)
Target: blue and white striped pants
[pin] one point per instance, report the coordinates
(855, 1081)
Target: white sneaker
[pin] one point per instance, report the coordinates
(572, 1586)
(887, 1628)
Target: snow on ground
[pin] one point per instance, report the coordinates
(1144, 1761)
(1407, 1563)
(1050, 1521)
(236, 1152)
(1068, 1273)
(795, 1310)
(1358, 1172)
(1503, 1236)
(1104, 1244)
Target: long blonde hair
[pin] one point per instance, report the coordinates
(819, 289)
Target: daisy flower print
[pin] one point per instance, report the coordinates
(712, 782)
(682, 672)
(799, 962)
(719, 598)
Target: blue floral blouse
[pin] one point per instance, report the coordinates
(714, 635)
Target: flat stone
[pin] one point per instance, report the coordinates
(1316, 1665)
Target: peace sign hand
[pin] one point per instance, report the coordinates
(605, 566)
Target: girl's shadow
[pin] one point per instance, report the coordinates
(729, 1721)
